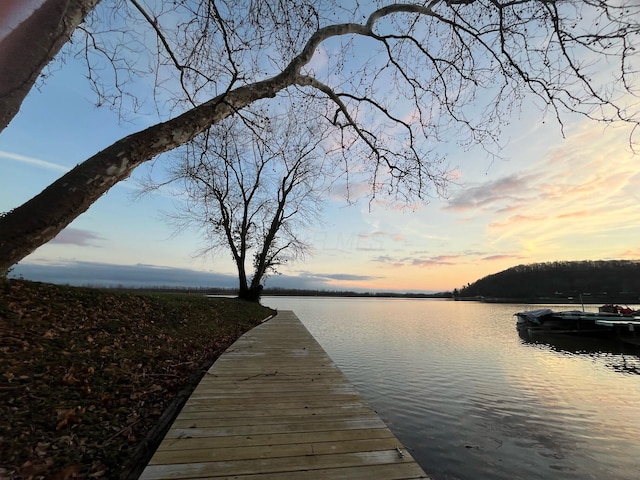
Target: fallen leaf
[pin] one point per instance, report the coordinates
(70, 472)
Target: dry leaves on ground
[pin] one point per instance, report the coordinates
(86, 373)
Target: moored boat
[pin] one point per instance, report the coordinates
(611, 308)
(575, 322)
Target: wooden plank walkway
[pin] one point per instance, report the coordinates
(274, 406)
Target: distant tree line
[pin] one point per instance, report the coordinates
(292, 292)
(608, 280)
(281, 292)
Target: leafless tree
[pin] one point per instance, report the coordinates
(252, 185)
(403, 78)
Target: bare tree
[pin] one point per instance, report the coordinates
(402, 79)
(252, 184)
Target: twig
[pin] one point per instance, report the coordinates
(162, 375)
(118, 433)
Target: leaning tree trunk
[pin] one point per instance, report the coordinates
(31, 45)
(40, 219)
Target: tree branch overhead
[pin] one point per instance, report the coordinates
(406, 78)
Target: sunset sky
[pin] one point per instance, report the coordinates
(549, 198)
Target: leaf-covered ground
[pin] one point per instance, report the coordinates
(86, 374)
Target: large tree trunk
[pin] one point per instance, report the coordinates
(31, 45)
(247, 291)
(40, 219)
(243, 285)
(251, 294)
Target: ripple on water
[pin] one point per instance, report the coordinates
(471, 399)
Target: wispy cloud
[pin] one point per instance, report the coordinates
(36, 162)
(501, 257)
(76, 236)
(45, 165)
(581, 213)
(347, 277)
(378, 241)
(509, 189)
(516, 220)
(632, 253)
(582, 199)
(389, 260)
(336, 276)
(422, 261)
(437, 260)
(451, 259)
(380, 236)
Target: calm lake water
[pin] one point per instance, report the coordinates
(472, 399)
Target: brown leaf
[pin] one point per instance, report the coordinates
(69, 379)
(70, 472)
(67, 417)
(42, 449)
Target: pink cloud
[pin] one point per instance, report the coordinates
(581, 213)
(517, 219)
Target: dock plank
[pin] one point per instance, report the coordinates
(276, 407)
(187, 443)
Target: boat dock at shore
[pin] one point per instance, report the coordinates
(275, 406)
(623, 326)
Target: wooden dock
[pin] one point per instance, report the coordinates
(275, 406)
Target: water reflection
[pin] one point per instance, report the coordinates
(472, 400)
(619, 356)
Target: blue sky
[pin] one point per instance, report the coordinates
(549, 198)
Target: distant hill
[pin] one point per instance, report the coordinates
(606, 280)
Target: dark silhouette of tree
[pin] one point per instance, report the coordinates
(254, 190)
(401, 78)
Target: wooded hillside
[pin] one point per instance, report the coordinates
(607, 281)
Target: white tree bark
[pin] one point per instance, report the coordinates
(26, 48)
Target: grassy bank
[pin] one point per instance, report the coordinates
(88, 376)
